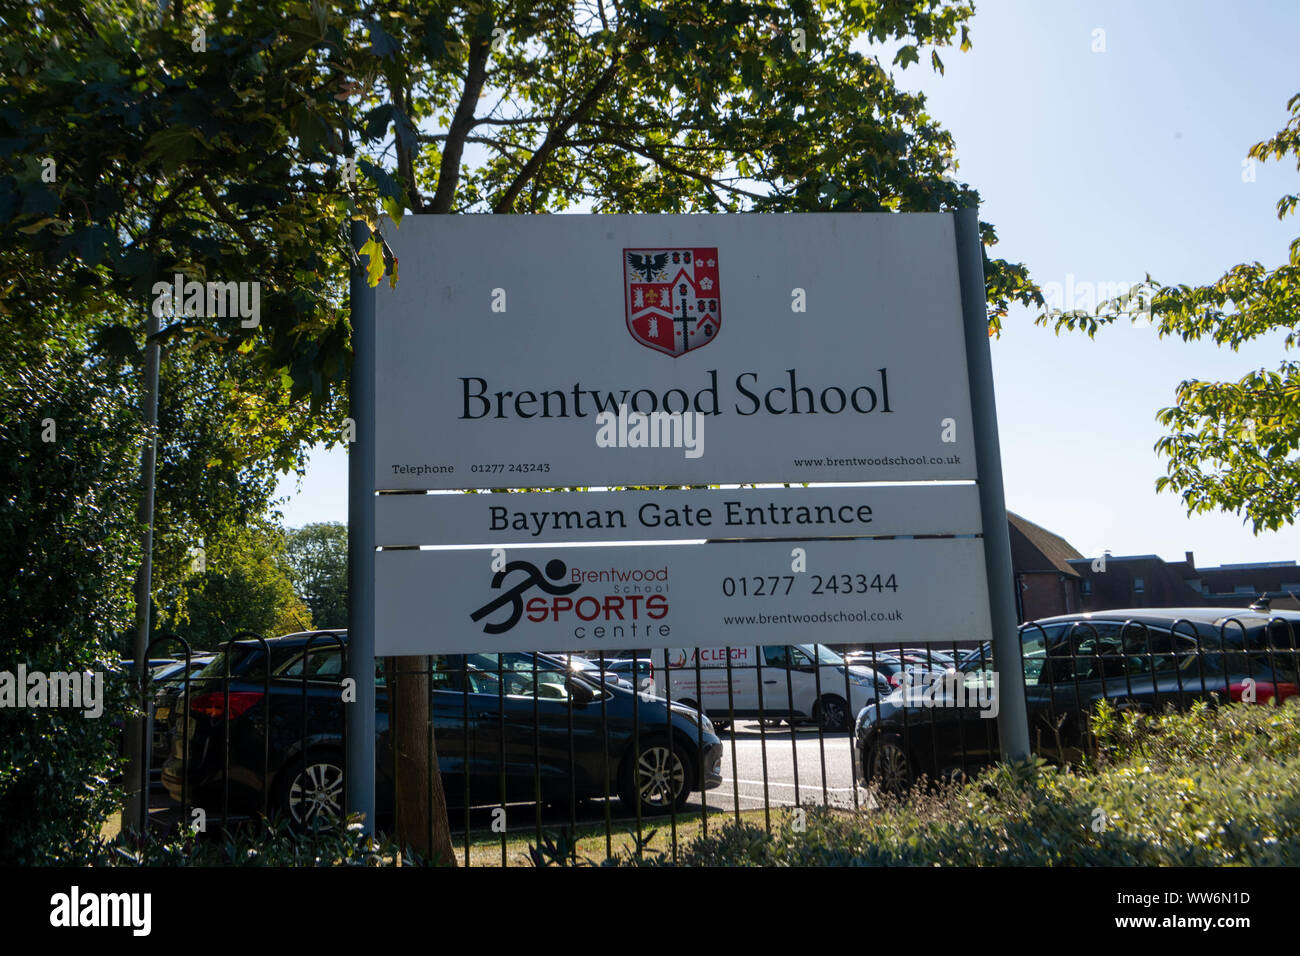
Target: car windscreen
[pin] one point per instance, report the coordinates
(246, 662)
(976, 659)
(823, 653)
(323, 662)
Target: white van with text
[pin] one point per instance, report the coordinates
(776, 681)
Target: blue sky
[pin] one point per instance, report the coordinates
(1103, 166)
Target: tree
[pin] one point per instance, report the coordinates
(202, 141)
(1231, 446)
(318, 563)
(241, 582)
(677, 107)
(132, 151)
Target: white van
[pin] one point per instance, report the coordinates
(776, 681)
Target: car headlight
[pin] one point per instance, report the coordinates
(865, 716)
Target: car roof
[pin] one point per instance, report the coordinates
(325, 638)
(1168, 615)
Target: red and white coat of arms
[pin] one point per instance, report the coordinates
(672, 298)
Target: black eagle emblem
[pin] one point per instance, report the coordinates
(649, 265)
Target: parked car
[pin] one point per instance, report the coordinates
(931, 656)
(589, 669)
(155, 664)
(795, 682)
(158, 666)
(500, 721)
(643, 667)
(169, 686)
(1139, 659)
(894, 670)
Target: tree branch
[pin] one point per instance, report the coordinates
(230, 219)
(462, 122)
(667, 164)
(518, 121)
(557, 135)
(405, 165)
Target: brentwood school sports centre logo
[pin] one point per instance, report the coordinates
(633, 600)
(672, 298)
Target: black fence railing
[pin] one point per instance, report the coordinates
(537, 749)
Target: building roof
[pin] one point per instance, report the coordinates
(1056, 551)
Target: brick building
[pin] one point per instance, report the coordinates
(1054, 578)
(1046, 582)
(1149, 581)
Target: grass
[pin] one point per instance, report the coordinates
(589, 847)
(588, 843)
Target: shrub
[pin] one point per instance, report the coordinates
(253, 845)
(1210, 787)
(67, 556)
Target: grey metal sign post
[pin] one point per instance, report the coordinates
(359, 717)
(1013, 719)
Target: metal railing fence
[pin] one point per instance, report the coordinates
(535, 750)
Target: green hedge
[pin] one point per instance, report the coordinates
(258, 845)
(1209, 787)
(68, 553)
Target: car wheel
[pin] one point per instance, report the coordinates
(663, 778)
(832, 713)
(311, 791)
(888, 766)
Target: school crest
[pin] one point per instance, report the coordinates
(672, 298)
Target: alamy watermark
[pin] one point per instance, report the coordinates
(75, 909)
(683, 430)
(82, 690)
(951, 688)
(210, 299)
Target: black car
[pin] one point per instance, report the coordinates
(160, 670)
(499, 721)
(1139, 659)
(891, 670)
(168, 687)
(588, 668)
(642, 667)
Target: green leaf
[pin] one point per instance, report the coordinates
(382, 44)
(433, 41)
(375, 270)
(377, 121)
(117, 341)
(171, 146)
(906, 55)
(395, 208)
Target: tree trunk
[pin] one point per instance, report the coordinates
(421, 804)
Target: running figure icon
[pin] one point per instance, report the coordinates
(555, 570)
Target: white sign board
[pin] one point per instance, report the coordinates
(614, 599)
(671, 515)
(739, 348)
